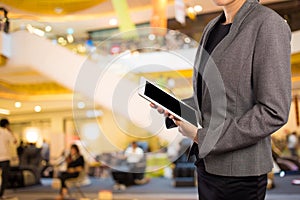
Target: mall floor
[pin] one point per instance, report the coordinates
(156, 189)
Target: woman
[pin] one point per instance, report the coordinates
(242, 86)
(75, 164)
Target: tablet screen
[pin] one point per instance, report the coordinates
(171, 103)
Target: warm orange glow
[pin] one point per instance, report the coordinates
(295, 58)
(105, 194)
(296, 79)
(159, 15)
(52, 7)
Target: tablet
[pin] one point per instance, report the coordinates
(178, 108)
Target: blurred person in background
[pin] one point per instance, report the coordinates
(75, 164)
(292, 144)
(6, 138)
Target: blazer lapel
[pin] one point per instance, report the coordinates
(218, 52)
(200, 56)
(234, 29)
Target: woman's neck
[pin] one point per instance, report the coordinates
(231, 10)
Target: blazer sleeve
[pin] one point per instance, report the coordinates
(271, 90)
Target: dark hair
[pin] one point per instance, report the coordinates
(4, 122)
(74, 146)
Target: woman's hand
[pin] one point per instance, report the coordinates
(184, 128)
(74, 169)
(160, 109)
(71, 170)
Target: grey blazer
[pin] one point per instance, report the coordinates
(246, 92)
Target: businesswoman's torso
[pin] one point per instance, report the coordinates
(240, 84)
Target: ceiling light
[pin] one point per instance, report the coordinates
(48, 28)
(29, 28)
(70, 38)
(37, 108)
(113, 22)
(191, 9)
(94, 113)
(70, 31)
(80, 105)
(81, 48)
(58, 10)
(191, 13)
(171, 83)
(60, 39)
(187, 40)
(151, 37)
(38, 32)
(18, 104)
(198, 8)
(4, 111)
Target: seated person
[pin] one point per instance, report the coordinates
(134, 153)
(136, 162)
(75, 164)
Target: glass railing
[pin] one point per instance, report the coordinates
(110, 41)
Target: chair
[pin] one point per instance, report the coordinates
(31, 160)
(29, 170)
(81, 180)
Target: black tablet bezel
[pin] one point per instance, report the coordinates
(184, 112)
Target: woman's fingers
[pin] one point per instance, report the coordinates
(166, 113)
(176, 120)
(158, 108)
(152, 105)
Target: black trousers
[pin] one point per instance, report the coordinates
(64, 176)
(4, 165)
(214, 187)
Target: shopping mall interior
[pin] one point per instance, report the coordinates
(70, 74)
